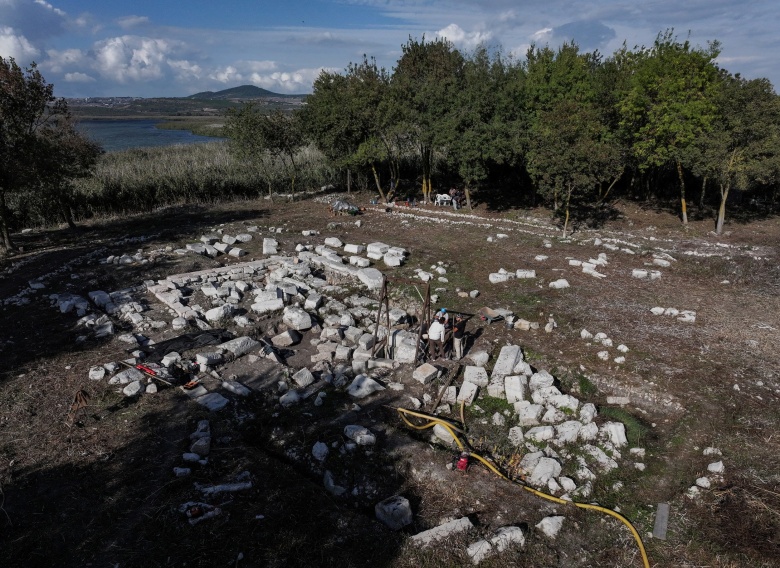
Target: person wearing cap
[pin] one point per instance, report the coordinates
(442, 314)
(458, 334)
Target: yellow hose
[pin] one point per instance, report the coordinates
(451, 428)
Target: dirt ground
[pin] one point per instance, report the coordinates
(101, 491)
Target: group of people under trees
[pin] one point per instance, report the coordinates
(442, 331)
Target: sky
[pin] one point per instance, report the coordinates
(162, 48)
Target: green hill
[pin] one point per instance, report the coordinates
(242, 92)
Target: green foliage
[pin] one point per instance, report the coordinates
(146, 178)
(423, 90)
(255, 134)
(586, 387)
(40, 150)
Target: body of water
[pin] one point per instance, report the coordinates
(117, 135)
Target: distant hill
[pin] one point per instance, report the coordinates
(242, 92)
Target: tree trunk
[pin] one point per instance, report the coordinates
(614, 181)
(349, 180)
(703, 190)
(683, 206)
(724, 194)
(467, 191)
(294, 174)
(378, 184)
(6, 243)
(427, 185)
(67, 212)
(566, 220)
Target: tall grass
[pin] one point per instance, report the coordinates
(148, 178)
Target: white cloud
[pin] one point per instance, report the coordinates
(258, 66)
(17, 46)
(542, 36)
(133, 58)
(298, 81)
(58, 61)
(48, 6)
(35, 20)
(78, 78)
(226, 75)
(460, 38)
(185, 70)
(132, 21)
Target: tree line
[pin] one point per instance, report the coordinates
(563, 128)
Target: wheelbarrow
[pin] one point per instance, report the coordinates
(489, 315)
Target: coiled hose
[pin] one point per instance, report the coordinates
(457, 430)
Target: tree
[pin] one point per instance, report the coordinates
(254, 134)
(479, 132)
(743, 145)
(65, 155)
(346, 116)
(424, 88)
(669, 103)
(40, 150)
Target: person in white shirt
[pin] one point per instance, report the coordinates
(442, 314)
(436, 333)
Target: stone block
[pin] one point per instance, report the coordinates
(366, 341)
(476, 375)
(495, 388)
(377, 248)
(359, 261)
(286, 339)
(354, 249)
(303, 378)
(297, 318)
(352, 335)
(371, 277)
(516, 436)
(498, 277)
(395, 512)
(442, 531)
(393, 260)
(543, 395)
(568, 432)
(270, 246)
(528, 414)
(213, 401)
(134, 388)
(468, 392)
(615, 432)
(425, 373)
(268, 306)
(240, 345)
(507, 359)
(515, 387)
(343, 353)
(361, 435)
(541, 434)
(313, 302)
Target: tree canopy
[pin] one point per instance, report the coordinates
(40, 150)
(561, 124)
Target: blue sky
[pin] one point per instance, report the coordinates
(168, 49)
